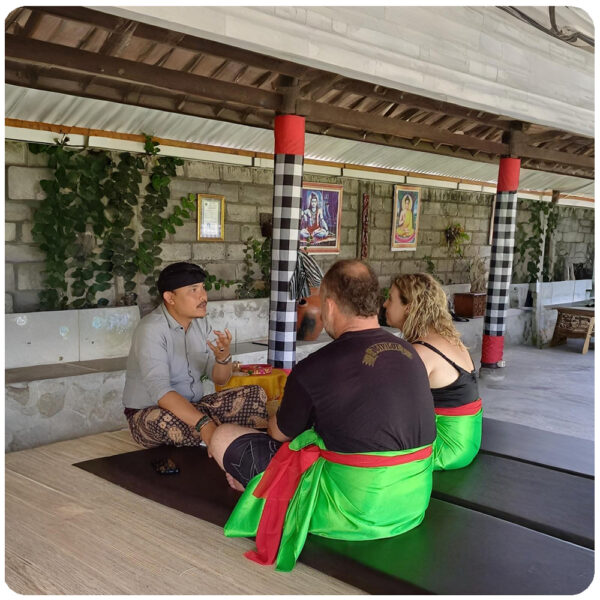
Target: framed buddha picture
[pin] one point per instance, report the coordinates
(405, 217)
(321, 218)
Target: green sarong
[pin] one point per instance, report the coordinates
(308, 489)
(458, 436)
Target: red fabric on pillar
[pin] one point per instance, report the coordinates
(492, 349)
(289, 134)
(508, 174)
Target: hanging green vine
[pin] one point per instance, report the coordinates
(67, 223)
(256, 253)
(85, 223)
(155, 226)
(530, 241)
(552, 223)
(119, 249)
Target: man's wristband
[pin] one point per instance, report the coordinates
(224, 362)
(202, 422)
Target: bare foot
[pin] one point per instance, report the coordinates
(234, 483)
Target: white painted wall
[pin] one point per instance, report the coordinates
(479, 57)
(63, 336)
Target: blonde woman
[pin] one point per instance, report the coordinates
(417, 305)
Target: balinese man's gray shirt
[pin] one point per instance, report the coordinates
(164, 357)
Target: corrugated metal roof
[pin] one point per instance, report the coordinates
(62, 109)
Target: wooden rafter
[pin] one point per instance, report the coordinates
(187, 42)
(128, 71)
(119, 39)
(106, 59)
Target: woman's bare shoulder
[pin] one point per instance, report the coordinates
(458, 354)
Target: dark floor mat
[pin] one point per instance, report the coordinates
(553, 450)
(494, 556)
(199, 489)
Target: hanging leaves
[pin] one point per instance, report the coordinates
(85, 224)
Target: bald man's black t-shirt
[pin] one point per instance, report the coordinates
(366, 391)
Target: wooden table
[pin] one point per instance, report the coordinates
(574, 323)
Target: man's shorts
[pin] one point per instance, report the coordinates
(249, 455)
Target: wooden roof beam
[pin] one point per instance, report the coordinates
(191, 64)
(320, 85)
(330, 114)
(187, 42)
(519, 146)
(413, 100)
(126, 71)
(13, 18)
(118, 39)
(269, 76)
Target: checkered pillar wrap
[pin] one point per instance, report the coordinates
(501, 261)
(287, 194)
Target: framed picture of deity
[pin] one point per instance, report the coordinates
(321, 218)
(405, 217)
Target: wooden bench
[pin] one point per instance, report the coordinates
(500, 526)
(574, 323)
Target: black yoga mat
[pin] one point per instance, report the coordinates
(547, 500)
(554, 450)
(455, 550)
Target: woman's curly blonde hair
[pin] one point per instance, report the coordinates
(428, 310)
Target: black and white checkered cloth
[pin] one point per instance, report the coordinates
(501, 261)
(286, 221)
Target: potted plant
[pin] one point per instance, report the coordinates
(456, 236)
(472, 304)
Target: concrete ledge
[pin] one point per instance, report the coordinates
(518, 329)
(48, 403)
(102, 365)
(51, 403)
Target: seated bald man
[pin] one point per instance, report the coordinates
(171, 354)
(361, 401)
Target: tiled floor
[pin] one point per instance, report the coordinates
(550, 389)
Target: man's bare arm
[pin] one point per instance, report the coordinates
(221, 374)
(183, 409)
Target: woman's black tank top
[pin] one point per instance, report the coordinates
(462, 390)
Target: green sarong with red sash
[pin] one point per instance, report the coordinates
(309, 489)
(458, 435)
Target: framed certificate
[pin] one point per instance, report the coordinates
(211, 218)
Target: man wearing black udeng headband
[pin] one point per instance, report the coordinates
(170, 355)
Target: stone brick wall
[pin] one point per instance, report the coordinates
(248, 193)
(573, 240)
(23, 259)
(440, 208)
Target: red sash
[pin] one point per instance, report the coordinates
(460, 411)
(280, 481)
